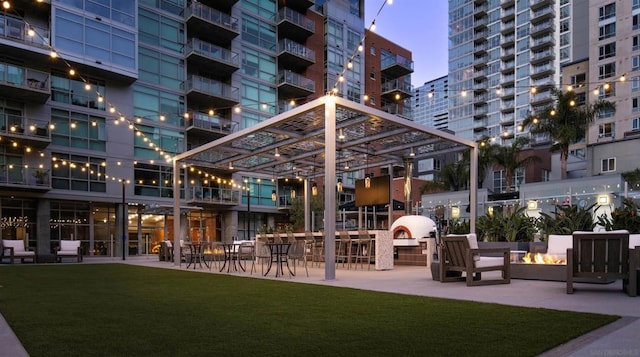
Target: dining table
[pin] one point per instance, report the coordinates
(279, 253)
(230, 256)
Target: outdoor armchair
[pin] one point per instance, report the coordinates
(460, 253)
(14, 249)
(68, 248)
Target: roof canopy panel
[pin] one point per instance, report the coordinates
(366, 137)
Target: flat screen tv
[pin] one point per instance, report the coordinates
(379, 193)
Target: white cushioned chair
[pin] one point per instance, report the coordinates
(14, 249)
(461, 253)
(69, 249)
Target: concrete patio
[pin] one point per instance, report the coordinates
(619, 338)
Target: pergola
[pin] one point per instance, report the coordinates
(317, 136)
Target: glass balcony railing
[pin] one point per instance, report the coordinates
(296, 18)
(212, 51)
(16, 29)
(213, 87)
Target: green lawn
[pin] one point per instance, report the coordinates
(122, 310)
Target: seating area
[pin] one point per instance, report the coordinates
(602, 257)
(68, 249)
(460, 253)
(15, 249)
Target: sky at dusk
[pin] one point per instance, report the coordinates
(421, 27)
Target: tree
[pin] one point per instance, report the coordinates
(455, 175)
(486, 155)
(510, 158)
(296, 211)
(565, 122)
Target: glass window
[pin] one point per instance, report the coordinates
(160, 31)
(635, 63)
(98, 40)
(154, 180)
(160, 68)
(78, 172)
(258, 32)
(259, 65)
(608, 50)
(635, 124)
(335, 33)
(635, 40)
(607, 11)
(607, 70)
(606, 31)
(605, 130)
(265, 9)
(149, 103)
(609, 164)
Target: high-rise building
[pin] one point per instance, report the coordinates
(614, 72)
(95, 99)
(430, 103)
(504, 58)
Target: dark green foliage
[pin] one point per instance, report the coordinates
(508, 226)
(460, 226)
(566, 220)
(625, 217)
(123, 310)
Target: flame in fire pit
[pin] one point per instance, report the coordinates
(542, 259)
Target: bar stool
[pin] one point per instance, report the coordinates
(343, 253)
(363, 249)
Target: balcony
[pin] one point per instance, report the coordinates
(480, 86)
(539, 43)
(395, 66)
(29, 43)
(480, 10)
(542, 14)
(213, 196)
(480, 23)
(25, 131)
(223, 5)
(508, 27)
(545, 81)
(24, 83)
(543, 70)
(507, 119)
(211, 25)
(507, 92)
(481, 61)
(298, 5)
(480, 98)
(295, 56)
(541, 56)
(480, 124)
(508, 40)
(536, 4)
(480, 48)
(508, 13)
(398, 109)
(541, 97)
(507, 80)
(203, 125)
(294, 85)
(542, 28)
(507, 106)
(481, 74)
(211, 93)
(396, 89)
(480, 35)
(217, 59)
(26, 178)
(507, 3)
(508, 53)
(480, 111)
(294, 25)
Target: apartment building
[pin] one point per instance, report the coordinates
(614, 68)
(95, 99)
(504, 59)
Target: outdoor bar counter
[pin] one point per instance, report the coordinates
(383, 245)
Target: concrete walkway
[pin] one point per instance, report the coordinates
(621, 338)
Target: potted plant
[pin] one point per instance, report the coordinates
(41, 176)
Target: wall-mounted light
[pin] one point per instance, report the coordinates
(455, 212)
(603, 199)
(532, 205)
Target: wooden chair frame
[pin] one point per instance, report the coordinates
(457, 256)
(600, 257)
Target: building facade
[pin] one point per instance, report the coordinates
(96, 99)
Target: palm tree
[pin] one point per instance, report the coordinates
(511, 160)
(565, 122)
(486, 154)
(455, 175)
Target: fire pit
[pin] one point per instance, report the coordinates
(540, 267)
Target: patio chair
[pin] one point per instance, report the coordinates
(297, 252)
(601, 257)
(246, 252)
(343, 253)
(364, 248)
(460, 253)
(263, 254)
(68, 249)
(14, 249)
